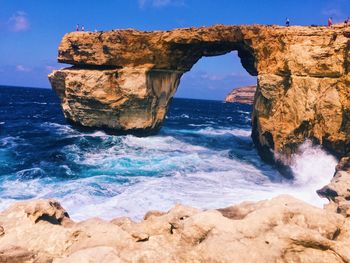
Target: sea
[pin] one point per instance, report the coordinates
(203, 157)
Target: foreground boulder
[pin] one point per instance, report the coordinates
(243, 95)
(282, 229)
(123, 80)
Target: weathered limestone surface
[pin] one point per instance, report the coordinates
(115, 99)
(338, 190)
(244, 95)
(282, 229)
(124, 79)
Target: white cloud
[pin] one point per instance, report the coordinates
(18, 22)
(22, 68)
(332, 12)
(213, 77)
(205, 78)
(160, 3)
(142, 3)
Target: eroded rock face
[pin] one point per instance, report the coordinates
(243, 95)
(124, 79)
(282, 229)
(122, 100)
(338, 190)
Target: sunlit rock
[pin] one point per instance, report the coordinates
(338, 190)
(282, 229)
(243, 95)
(123, 80)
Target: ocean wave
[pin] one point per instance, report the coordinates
(30, 173)
(203, 157)
(62, 129)
(10, 142)
(312, 165)
(177, 117)
(243, 112)
(156, 156)
(211, 131)
(198, 125)
(212, 190)
(234, 131)
(201, 178)
(69, 131)
(28, 103)
(160, 143)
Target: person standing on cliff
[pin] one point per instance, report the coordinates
(77, 27)
(287, 22)
(330, 21)
(82, 28)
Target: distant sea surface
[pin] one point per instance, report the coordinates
(203, 157)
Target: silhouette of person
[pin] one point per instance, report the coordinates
(82, 28)
(330, 21)
(287, 21)
(77, 27)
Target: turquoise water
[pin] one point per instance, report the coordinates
(203, 157)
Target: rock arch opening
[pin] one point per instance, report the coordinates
(214, 77)
(128, 88)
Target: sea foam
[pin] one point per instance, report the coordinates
(206, 160)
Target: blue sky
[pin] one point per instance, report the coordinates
(30, 31)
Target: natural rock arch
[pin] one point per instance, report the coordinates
(123, 80)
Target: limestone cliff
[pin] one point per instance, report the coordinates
(244, 95)
(124, 79)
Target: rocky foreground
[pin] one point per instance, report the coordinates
(243, 95)
(282, 229)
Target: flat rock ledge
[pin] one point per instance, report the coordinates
(282, 229)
